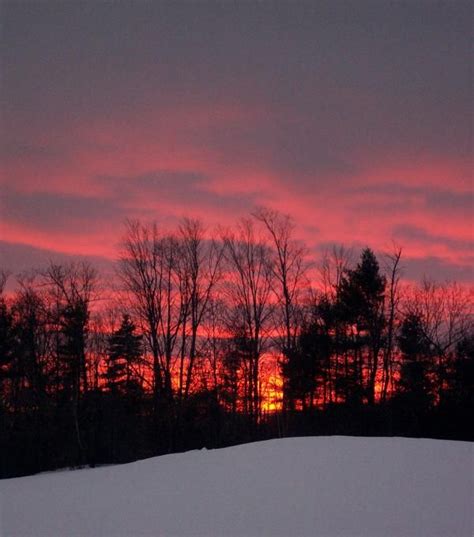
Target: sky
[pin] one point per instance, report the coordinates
(354, 117)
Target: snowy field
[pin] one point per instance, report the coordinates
(326, 486)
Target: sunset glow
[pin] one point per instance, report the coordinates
(236, 267)
(150, 120)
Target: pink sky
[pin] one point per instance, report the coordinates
(357, 122)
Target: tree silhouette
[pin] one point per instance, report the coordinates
(361, 297)
(229, 342)
(414, 385)
(125, 350)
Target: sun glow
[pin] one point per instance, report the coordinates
(272, 394)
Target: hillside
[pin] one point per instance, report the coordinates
(326, 486)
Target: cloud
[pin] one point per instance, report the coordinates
(416, 269)
(16, 258)
(187, 191)
(410, 233)
(449, 202)
(357, 120)
(50, 211)
(432, 196)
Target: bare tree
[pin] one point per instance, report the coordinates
(334, 264)
(72, 288)
(150, 272)
(393, 271)
(249, 286)
(290, 284)
(216, 340)
(201, 270)
(289, 265)
(446, 315)
(4, 275)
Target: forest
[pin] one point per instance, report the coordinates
(210, 338)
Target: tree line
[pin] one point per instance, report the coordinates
(210, 339)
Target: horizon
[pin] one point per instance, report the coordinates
(223, 223)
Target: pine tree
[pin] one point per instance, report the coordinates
(73, 322)
(125, 349)
(7, 338)
(414, 384)
(361, 295)
(463, 375)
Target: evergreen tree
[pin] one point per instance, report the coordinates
(414, 384)
(308, 363)
(462, 385)
(229, 390)
(125, 349)
(73, 320)
(7, 339)
(361, 296)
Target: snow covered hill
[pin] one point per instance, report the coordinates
(326, 486)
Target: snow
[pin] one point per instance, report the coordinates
(318, 486)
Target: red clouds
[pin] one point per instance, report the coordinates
(73, 189)
(358, 131)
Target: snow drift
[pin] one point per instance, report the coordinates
(326, 486)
